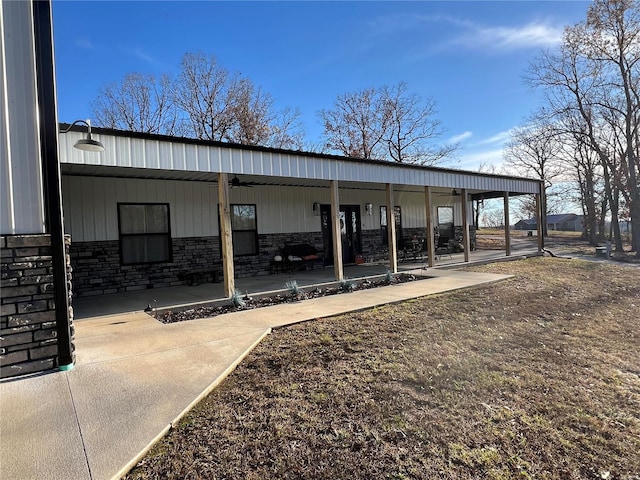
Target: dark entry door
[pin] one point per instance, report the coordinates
(349, 233)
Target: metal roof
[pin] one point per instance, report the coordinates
(132, 154)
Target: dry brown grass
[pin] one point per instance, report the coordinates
(534, 377)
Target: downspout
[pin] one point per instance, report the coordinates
(45, 73)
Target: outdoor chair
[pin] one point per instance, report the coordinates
(443, 247)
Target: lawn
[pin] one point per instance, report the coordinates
(534, 377)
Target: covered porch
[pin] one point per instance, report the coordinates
(184, 297)
(151, 210)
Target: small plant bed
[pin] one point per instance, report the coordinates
(293, 293)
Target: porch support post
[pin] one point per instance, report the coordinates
(226, 235)
(539, 220)
(465, 225)
(391, 230)
(507, 233)
(336, 231)
(431, 251)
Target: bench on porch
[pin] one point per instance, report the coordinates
(195, 277)
(301, 255)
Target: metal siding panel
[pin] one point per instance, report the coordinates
(191, 159)
(66, 205)
(165, 160)
(186, 210)
(135, 148)
(100, 206)
(203, 163)
(72, 199)
(19, 116)
(225, 160)
(178, 161)
(110, 209)
(7, 211)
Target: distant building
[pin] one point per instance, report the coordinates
(565, 222)
(529, 224)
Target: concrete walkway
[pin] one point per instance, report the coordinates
(135, 377)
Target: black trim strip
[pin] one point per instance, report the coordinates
(45, 73)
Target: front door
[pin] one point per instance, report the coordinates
(349, 233)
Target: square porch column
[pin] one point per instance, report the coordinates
(226, 235)
(431, 251)
(507, 233)
(391, 230)
(465, 225)
(336, 231)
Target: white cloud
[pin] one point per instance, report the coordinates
(140, 54)
(472, 35)
(531, 35)
(460, 137)
(499, 138)
(472, 161)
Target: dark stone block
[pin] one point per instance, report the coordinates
(14, 241)
(14, 357)
(15, 339)
(42, 352)
(26, 368)
(35, 306)
(20, 291)
(31, 318)
(44, 334)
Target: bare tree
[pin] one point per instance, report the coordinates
(411, 127)
(356, 125)
(204, 92)
(534, 151)
(388, 123)
(250, 112)
(286, 130)
(204, 101)
(584, 162)
(595, 75)
(140, 103)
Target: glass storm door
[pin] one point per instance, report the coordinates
(350, 235)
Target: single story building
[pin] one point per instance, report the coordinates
(565, 222)
(150, 209)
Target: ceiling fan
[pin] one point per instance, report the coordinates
(235, 183)
(454, 193)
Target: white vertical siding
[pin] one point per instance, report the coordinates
(91, 212)
(91, 205)
(21, 197)
(162, 154)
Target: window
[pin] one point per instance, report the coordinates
(245, 230)
(145, 233)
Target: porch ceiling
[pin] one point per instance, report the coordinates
(72, 169)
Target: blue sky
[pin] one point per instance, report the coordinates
(469, 56)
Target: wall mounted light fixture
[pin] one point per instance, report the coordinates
(368, 208)
(86, 144)
(316, 209)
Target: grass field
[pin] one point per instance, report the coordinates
(534, 377)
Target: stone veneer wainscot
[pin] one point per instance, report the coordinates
(28, 335)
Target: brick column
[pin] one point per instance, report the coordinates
(28, 339)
